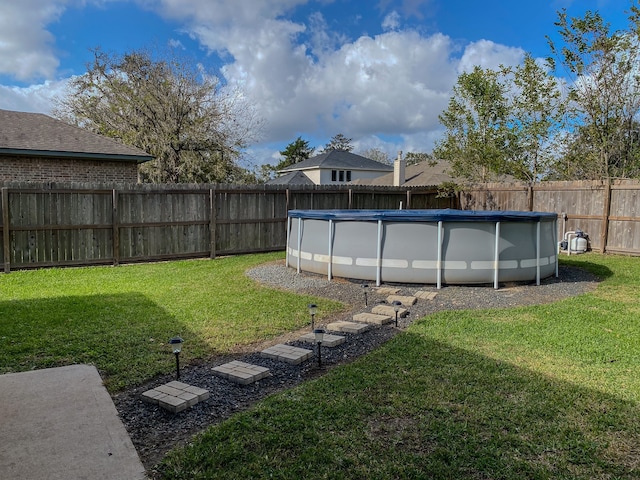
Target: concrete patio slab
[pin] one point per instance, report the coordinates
(61, 424)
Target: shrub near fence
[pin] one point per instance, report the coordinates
(50, 225)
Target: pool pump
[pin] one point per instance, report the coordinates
(574, 242)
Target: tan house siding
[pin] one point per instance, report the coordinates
(51, 169)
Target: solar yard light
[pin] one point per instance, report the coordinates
(176, 344)
(396, 308)
(313, 308)
(319, 334)
(365, 287)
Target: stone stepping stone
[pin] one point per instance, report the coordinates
(424, 295)
(387, 290)
(287, 353)
(373, 318)
(241, 372)
(328, 340)
(175, 396)
(404, 300)
(388, 310)
(348, 327)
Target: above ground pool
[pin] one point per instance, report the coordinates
(424, 246)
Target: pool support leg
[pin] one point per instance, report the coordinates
(496, 265)
(379, 254)
(299, 242)
(439, 263)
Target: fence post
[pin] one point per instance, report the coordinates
(115, 225)
(604, 232)
(212, 221)
(287, 193)
(530, 198)
(6, 234)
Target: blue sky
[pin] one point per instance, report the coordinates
(378, 71)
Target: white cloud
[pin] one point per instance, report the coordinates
(220, 23)
(304, 78)
(322, 39)
(487, 54)
(391, 21)
(26, 46)
(392, 83)
(177, 44)
(35, 98)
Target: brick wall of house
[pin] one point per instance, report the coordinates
(65, 170)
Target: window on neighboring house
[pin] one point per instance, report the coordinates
(334, 175)
(348, 175)
(341, 177)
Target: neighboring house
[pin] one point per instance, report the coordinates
(330, 168)
(424, 174)
(37, 148)
(427, 173)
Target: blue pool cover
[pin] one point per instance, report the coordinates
(435, 215)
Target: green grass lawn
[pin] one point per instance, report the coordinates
(541, 392)
(120, 319)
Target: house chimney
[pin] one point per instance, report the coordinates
(398, 170)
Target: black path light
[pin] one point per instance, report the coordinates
(365, 287)
(396, 308)
(319, 334)
(176, 344)
(313, 308)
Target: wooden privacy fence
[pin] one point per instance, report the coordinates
(608, 213)
(48, 225)
(82, 225)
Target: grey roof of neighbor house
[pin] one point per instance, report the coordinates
(424, 174)
(36, 134)
(339, 159)
(427, 173)
(291, 178)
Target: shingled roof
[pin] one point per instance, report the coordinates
(424, 174)
(291, 178)
(35, 134)
(339, 159)
(427, 173)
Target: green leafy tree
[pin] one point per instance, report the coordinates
(339, 142)
(296, 152)
(579, 159)
(476, 138)
(604, 92)
(173, 111)
(535, 113)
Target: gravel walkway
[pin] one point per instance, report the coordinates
(155, 431)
